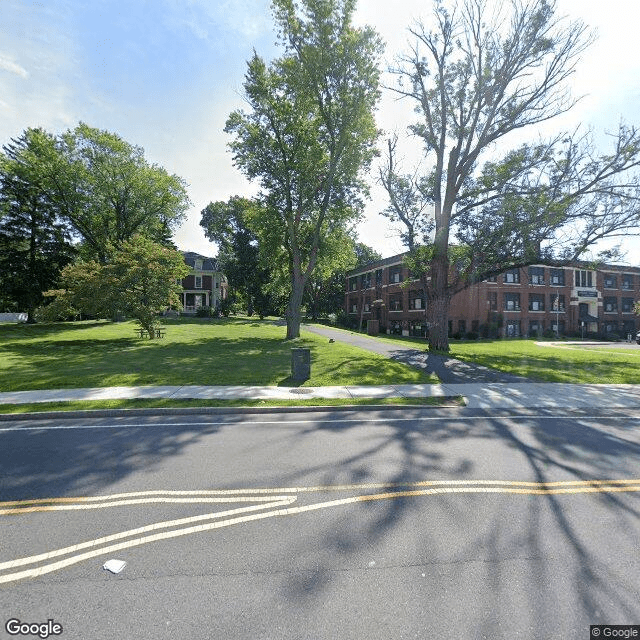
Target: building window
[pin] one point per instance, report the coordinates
(395, 275)
(610, 281)
(492, 300)
(198, 282)
(395, 302)
(536, 302)
(557, 277)
(462, 326)
(512, 276)
(353, 284)
(627, 305)
(492, 279)
(415, 299)
(536, 327)
(365, 279)
(512, 302)
(353, 305)
(367, 305)
(512, 328)
(627, 281)
(628, 327)
(536, 275)
(611, 305)
(198, 265)
(378, 277)
(557, 303)
(611, 327)
(584, 278)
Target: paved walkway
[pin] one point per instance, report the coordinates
(448, 370)
(477, 395)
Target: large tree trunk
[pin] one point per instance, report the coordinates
(293, 314)
(439, 299)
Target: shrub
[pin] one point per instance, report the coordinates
(471, 335)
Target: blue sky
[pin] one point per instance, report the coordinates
(165, 74)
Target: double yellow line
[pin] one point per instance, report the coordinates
(266, 503)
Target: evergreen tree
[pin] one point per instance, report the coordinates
(35, 243)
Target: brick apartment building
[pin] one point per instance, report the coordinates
(522, 302)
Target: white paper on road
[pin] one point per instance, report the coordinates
(115, 566)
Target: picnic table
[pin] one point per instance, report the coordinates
(160, 332)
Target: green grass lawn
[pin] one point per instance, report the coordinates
(194, 352)
(89, 405)
(567, 363)
(554, 364)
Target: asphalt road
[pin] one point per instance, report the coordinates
(333, 524)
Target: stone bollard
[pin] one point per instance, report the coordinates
(300, 363)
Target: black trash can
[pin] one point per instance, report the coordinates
(300, 363)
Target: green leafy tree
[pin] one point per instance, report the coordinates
(486, 71)
(139, 281)
(227, 224)
(35, 243)
(309, 134)
(109, 192)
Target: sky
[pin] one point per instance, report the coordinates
(166, 74)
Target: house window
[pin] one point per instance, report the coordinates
(610, 305)
(610, 281)
(557, 277)
(536, 302)
(557, 303)
(512, 276)
(365, 278)
(611, 327)
(378, 277)
(198, 265)
(627, 305)
(536, 275)
(353, 284)
(395, 302)
(353, 305)
(492, 279)
(584, 278)
(492, 300)
(367, 305)
(512, 328)
(512, 302)
(198, 282)
(462, 326)
(627, 281)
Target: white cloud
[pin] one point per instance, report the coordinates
(12, 67)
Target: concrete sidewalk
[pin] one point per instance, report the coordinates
(477, 395)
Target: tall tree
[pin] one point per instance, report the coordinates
(487, 70)
(34, 242)
(227, 224)
(309, 133)
(109, 192)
